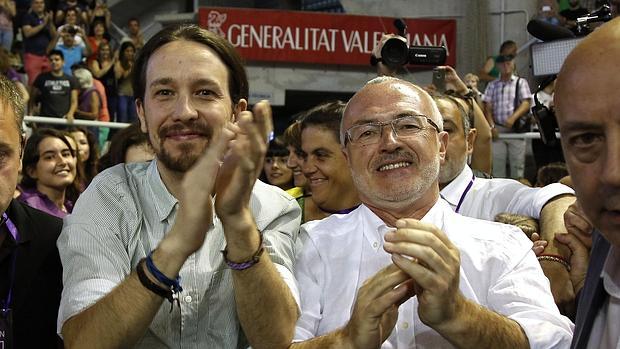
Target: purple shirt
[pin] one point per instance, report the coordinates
(40, 201)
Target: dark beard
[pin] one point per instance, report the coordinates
(184, 162)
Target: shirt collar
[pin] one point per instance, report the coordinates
(453, 191)
(374, 228)
(163, 201)
(611, 272)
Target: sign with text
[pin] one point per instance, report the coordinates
(317, 37)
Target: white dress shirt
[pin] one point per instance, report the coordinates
(124, 214)
(489, 196)
(605, 332)
(498, 270)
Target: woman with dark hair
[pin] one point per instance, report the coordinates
(87, 153)
(275, 171)
(97, 36)
(49, 169)
(127, 145)
(123, 68)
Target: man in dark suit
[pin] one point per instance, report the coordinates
(30, 269)
(587, 103)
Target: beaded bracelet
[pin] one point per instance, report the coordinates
(554, 258)
(249, 263)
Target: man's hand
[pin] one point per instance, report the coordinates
(376, 308)
(453, 81)
(427, 255)
(579, 259)
(195, 214)
(578, 224)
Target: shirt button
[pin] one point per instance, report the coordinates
(405, 325)
(188, 299)
(375, 244)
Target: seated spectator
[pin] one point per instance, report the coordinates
(7, 12)
(551, 173)
(275, 171)
(324, 165)
(127, 145)
(56, 91)
(569, 16)
(476, 284)
(39, 30)
(126, 106)
(87, 153)
(49, 169)
(490, 71)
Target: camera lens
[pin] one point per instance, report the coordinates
(394, 52)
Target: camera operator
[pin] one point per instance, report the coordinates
(590, 128)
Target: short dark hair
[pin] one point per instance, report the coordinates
(276, 148)
(327, 115)
(465, 117)
(237, 78)
(11, 97)
(56, 52)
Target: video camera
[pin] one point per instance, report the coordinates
(548, 57)
(396, 52)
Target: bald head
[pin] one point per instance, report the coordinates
(365, 100)
(587, 103)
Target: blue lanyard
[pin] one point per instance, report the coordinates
(471, 182)
(6, 304)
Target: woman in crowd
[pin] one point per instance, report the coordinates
(49, 170)
(102, 69)
(126, 109)
(127, 145)
(97, 36)
(87, 154)
(275, 171)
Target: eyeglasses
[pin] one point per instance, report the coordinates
(403, 127)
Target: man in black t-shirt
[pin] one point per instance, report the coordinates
(570, 15)
(56, 91)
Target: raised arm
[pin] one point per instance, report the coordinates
(123, 315)
(265, 305)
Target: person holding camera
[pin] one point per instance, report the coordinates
(73, 53)
(507, 99)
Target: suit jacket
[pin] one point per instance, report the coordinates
(593, 295)
(38, 276)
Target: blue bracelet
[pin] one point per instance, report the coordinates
(175, 284)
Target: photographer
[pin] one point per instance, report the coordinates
(72, 52)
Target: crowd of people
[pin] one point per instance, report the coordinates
(369, 223)
(67, 62)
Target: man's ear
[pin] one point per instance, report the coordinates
(141, 115)
(242, 105)
(470, 140)
(443, 138)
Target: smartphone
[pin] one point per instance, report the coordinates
(546, 8)
(439, 80)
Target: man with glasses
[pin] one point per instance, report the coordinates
(403, 270)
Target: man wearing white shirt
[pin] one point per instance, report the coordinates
(484, 198)
(434, 279)
(590, 128)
